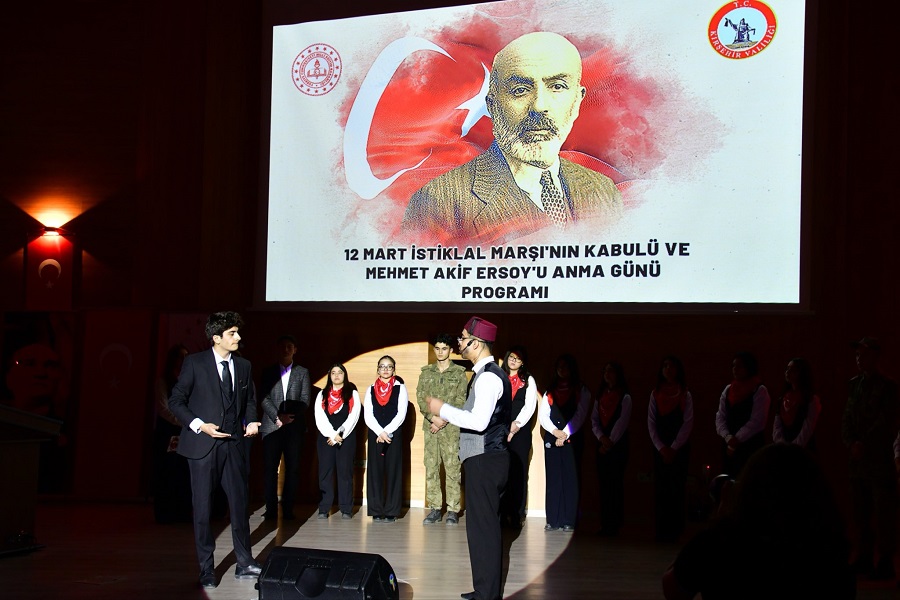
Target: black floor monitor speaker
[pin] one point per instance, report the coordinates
(294, 573)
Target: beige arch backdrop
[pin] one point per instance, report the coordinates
(410, 359)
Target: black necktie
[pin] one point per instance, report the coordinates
(226, 379)
(552, 200)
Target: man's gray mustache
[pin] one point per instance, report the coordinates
(533, 123)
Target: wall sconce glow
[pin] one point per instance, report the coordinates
(53, 217)
(52, 231)
(52, 208)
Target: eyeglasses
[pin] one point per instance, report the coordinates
(385, 367)
(468, 342)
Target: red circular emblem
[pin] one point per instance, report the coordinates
(316, 70)
(742, 29)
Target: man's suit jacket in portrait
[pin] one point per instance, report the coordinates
(199, 394)
(274, 395)
(480, 203)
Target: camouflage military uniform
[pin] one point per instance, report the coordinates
(443, 446)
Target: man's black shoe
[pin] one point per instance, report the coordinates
(251, 571)
(208, 580)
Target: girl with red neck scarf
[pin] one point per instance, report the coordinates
(609, 422)
(524, 403)
(336, 409)
(670, 419)
(742, 414)
(562, 412)
(799, 408)
(385, 410)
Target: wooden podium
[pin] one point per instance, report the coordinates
(21, 436)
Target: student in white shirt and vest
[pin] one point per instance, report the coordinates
(484, 423)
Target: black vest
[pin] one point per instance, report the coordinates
(668, 426)
(340, 415)
(497, 430)
(385, 414)
(561, 415)
(518, 401)
(791, 433)
(738, 414)
(607, 429)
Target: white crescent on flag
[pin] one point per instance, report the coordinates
(359, 174)
(50, 262)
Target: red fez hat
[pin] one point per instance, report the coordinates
(483, 330)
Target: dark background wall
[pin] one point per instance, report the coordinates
(143, 120)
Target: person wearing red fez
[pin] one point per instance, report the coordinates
(484, 427)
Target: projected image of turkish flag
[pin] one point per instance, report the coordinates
(421, 111)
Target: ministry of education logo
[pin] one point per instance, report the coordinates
(742, 28)
(317, 69)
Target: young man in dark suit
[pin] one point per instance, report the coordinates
(215, 398)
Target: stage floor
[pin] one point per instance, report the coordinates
(117, 551)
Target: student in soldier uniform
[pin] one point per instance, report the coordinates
(445, 380)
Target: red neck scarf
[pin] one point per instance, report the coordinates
(668, 397)
(609, 401)
(561, 394)
(335, 401)
(383, 390)
(739, 390)
(790, 405)
(516, 382)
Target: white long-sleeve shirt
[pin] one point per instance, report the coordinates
(402, 404)
(577, 420)
(531, 398)
(754, 425)
(808, 428)
(488, 390)
(621, 425)
(324, 425)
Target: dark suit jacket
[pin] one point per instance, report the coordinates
(479, 202)
(198, 395)
(273, 396)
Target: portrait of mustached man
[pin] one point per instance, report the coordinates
(520, 184)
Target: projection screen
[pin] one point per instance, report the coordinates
(400, 172)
